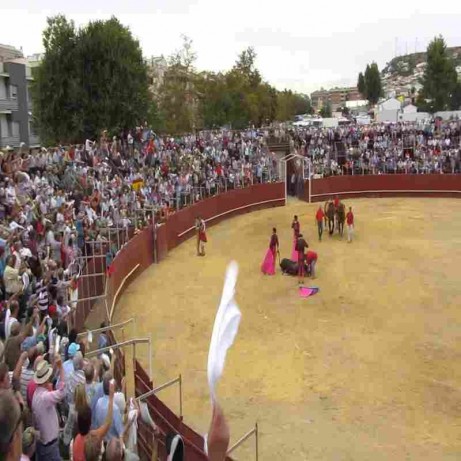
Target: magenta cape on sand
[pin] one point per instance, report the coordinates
(268, 265)
(305, 292)
(294, 253)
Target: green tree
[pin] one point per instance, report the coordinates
(455, 103)
(290, 104)
(373, 84)
(179, 98)
(90, 79)
(439, 79)
(361, 85)
(114, 77)
(326, 111)
(56, 89)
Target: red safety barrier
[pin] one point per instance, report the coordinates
(386, 185)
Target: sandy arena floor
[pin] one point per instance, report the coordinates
(369, 368)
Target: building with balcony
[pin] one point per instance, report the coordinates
(16, 125)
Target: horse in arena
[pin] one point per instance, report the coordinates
(330, 213)
(341, 217)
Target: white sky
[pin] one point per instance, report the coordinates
(301, 44)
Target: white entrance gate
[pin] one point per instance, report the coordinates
(306, 170)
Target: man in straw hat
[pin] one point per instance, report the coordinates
(45, 412)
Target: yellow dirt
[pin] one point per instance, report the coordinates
(369, 368)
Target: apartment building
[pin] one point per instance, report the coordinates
(16, 124)
(337, 97)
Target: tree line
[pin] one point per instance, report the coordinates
(94, 78)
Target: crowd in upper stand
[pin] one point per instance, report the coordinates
(382, 148)
(54, 401)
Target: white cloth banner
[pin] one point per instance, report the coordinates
(225, 329)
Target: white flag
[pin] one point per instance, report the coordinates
(225, 329)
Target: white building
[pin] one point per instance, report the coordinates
(389, 104)
(410, 109)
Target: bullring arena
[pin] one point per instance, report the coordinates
(366, 369)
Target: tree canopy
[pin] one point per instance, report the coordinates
(90, 79)
(440, 89)
(94, 78)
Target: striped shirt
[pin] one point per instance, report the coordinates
(41, 290)
(75, 378)
(27, 375)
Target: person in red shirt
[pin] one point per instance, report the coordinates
(350, 225)
(336, 202)
(319, 217)
(311, 260)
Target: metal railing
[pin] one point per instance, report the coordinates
(131, 342)
(245, 438)
(164, 386)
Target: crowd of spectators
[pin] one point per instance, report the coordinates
(54, 401)
(381, 148)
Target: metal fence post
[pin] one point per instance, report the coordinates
(180, 397)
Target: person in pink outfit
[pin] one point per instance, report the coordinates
(268, 265)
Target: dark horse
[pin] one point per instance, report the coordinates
(331, 217)
(341, 217)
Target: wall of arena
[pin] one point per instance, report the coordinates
(389, 185)
(179, 227)
(140, 250)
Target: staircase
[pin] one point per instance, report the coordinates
(280, 148)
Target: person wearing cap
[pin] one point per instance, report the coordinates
(45, 412)
(29, 439)
(68, 365)
(11, 427)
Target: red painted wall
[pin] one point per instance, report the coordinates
(140, 250)
(206, 209)
(438, 185)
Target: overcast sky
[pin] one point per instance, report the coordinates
(300, 44)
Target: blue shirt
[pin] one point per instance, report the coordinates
(100, 414)
(98, 392)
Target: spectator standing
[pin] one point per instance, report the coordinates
(102, 408)
(96, 436)
(45, 412)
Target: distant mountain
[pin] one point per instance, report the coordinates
(403, 74)
(405, 66)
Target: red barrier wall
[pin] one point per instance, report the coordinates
(390, 185)
(245, 200)
(140, 250)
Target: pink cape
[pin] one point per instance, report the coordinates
(305, 292)
(294, 253)
(268, 265)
